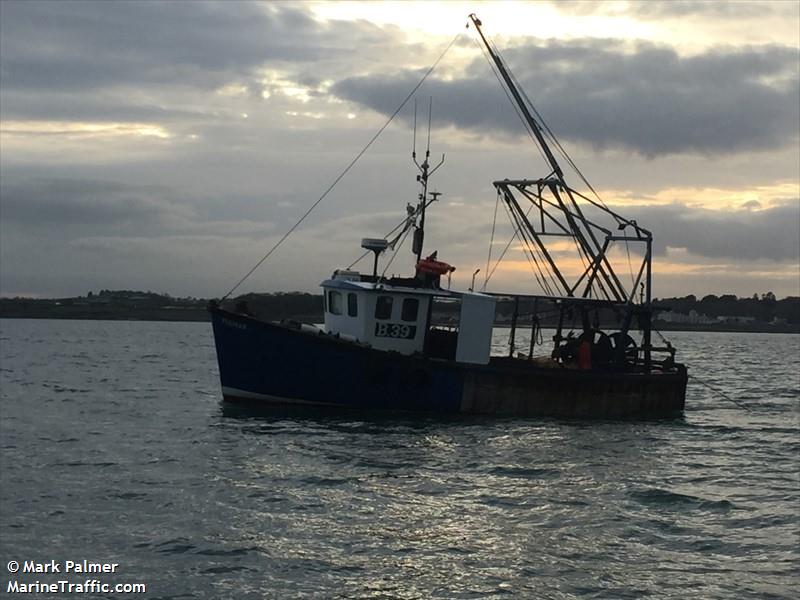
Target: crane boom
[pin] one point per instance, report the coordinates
(521, 104)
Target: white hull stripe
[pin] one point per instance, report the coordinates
(237, 393)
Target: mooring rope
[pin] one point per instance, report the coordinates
(721, 393)
(717, 391)
(345, 171)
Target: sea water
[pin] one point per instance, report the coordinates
(116, 449)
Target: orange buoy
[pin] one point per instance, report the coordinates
(434, 267)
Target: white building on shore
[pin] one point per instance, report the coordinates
(693, 318)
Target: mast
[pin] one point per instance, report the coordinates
(532, 123)
(425, 173)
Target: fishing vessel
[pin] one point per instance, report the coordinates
(413, 344)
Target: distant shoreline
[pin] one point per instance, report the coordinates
(193, 316)
(724, 313)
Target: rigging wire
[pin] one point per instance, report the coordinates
(526, 250)
(368, 252)
(513, 103)
(508, 245)
(511, 100)
(491, 241)
(533, 248)
(396, 251)
(551, 136)
(518, 234)
(536, 251)
(580, 174)
(360, 258)
(526, 243)
(581, 251)
(630, 266)
(549, 133)
(404, 222)
(345, 171)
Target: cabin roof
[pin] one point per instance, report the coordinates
(385, 288)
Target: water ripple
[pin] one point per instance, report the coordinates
(115, 447)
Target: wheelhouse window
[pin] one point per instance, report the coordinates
(352, 305)
(335, 303)
(410, 309)
(383, 308)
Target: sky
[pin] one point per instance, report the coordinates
(166, 146)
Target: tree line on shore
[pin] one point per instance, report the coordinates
(764, 308)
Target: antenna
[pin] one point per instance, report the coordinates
(414, 144)
(425, 172)
(430, 115)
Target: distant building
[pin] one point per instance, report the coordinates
(735, 319)
(693, 318)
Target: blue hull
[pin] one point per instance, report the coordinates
(271, 363)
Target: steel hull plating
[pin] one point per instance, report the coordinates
(266, 362)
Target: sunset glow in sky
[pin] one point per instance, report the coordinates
(166, 146)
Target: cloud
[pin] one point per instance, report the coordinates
(642, 97)
(68, 209)
(63, 202)
(160, 60)
(102, 233)
(745, 235)
(659, 9)
(77, 45)
(166, 63)
(128, 160)
(769, 234)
